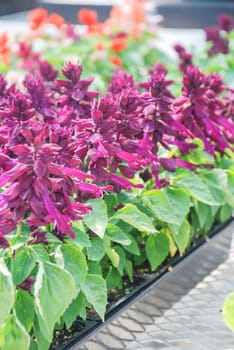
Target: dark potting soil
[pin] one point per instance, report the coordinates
(142, 278)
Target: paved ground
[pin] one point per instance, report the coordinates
(195, 322)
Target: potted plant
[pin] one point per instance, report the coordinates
(98, 187)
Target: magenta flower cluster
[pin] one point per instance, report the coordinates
(62, 143)
(217, 35)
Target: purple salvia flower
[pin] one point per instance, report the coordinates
(42, 100)
(47, 71)
(120, 81)
(70, 32)
(39, 186)
(38, 237)
(3, 85)
(19, 107)
(219, 43)
(75, 91)
(226, 22)
(184, 57)
(200, 110)
(24, 50)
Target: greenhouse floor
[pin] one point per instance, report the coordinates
(195, 322)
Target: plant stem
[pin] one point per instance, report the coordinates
(19, 230)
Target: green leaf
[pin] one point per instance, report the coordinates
(126, 197)
(97, 250)
(40, 252)
(97, 218)
(113, 279)
(203, 212)
(195, 186)
(133, 216)
(75, 309)
(82, 238)
(225, 213)
(199, 156)
(129, 269)
(172, 246)
(6, 292)
(111, 253)
(115, 234)
(24, 309)
(228, 311)
(13, 335)
(41, 342)
(94, 268)
(75, 263)
(181, 235)
(124, 226)
(58, 256)
(18, 242)
(122, 259)
(218, 181)
(111, 202)
(33, 345)
(140, 259)
(179, 201)
(95, 292)
(54, 290)
(51, 238)
(133, 247)
(168, 205)
(230, 194)
(23, 263)
(157, 249)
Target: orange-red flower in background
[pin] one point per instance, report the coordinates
(38, 17)
(4, 43)
(4, 48)
(116, 61)
(130, 16)
(56, 19)
(118, 44)
(88, 17)
(99, 45)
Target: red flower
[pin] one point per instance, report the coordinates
(118, 44)
(99, 45)
(88, 17)
(37, 17)
(116, 61)
(57, 20)
(4, 48)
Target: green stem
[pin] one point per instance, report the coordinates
(19, 230)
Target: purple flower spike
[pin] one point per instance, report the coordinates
(47, 71)
(226, 22)
(217, 35)
(185, 58)
(74, 92)
(201, 111)
(120, 81)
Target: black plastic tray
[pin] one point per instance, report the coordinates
(157, 293)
